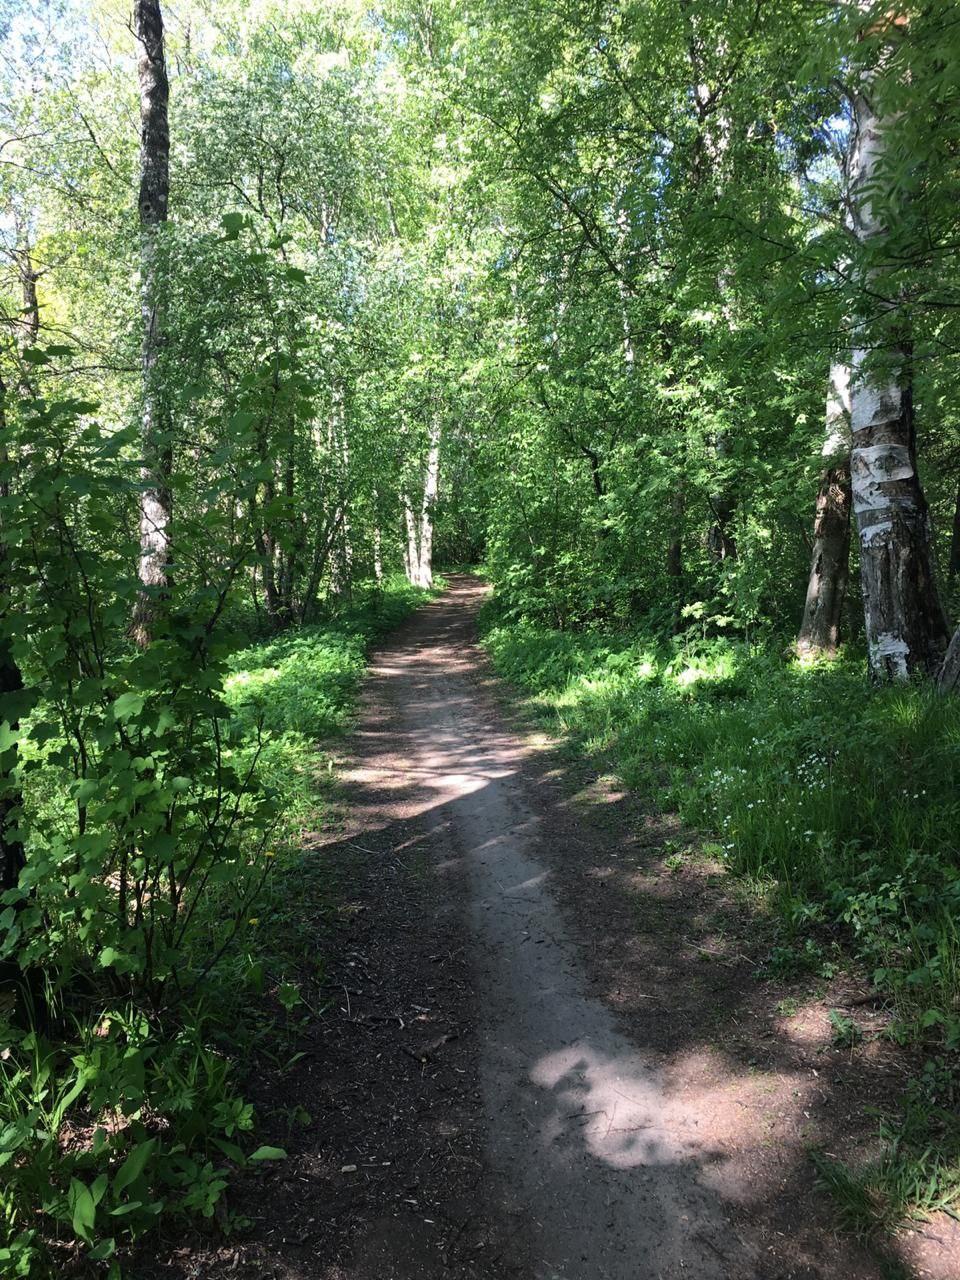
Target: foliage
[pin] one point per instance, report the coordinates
(916, 1175)
(126, 1106)
(595, 258)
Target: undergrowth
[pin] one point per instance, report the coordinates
(841, 802)
(115, 1113)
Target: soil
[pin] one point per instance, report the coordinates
(548, 1050)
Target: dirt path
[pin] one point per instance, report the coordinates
(547, 1058)
(582, 1139)
(601, 1151)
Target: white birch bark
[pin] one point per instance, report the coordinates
(411, 549)
(155, 500)
(430, 488)
(341, 564)
(905, 623)
(418, 523)
(377, 553)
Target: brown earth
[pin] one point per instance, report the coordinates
(548, 1052)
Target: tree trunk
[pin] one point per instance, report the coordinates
(30, 321)
(323, 549)
(905, 623)
(830, 562)
(341, 564)
(948, 677)
(418, 547)
(411, 549)
(155, 498)
(345, 547)
(11, 682)
(377, 554)
(954, 568)
(430, 487)
(675, 559)
(721, 542)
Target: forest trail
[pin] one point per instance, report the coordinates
(582, 1141)
(543, 1057)
(596, 1099)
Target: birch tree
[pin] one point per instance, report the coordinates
(905, 622)
(155, 498)
(418, 522)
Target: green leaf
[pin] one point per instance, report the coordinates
(240, 421)
(269, 1153)
(289, 995)
(132, 1167)
(230, 1150)
(83, 1209)
(232, 224)
(128, 705)
(86, 791)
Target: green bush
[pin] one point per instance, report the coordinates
(125, 1106)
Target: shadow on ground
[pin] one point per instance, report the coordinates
(547, 1055)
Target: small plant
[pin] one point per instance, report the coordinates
(288, 993)
(917, 1174)
(845, 1032)
(792, 960)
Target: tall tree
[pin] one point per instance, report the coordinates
(156, 443)
(905, 621)
(418, 524)
(830, 559)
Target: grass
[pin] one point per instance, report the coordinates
(291, 695)
(840, 801)
(913, 1177)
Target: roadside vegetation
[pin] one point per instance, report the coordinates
(122, 1099)
(839, 813)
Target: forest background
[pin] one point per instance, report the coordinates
(651, 309)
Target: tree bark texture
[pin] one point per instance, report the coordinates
(721, 542)
(830, 561)
(905, 622)
(155, 499)
(418, 552)
(954, 569)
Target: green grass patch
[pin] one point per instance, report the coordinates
(846, 799)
